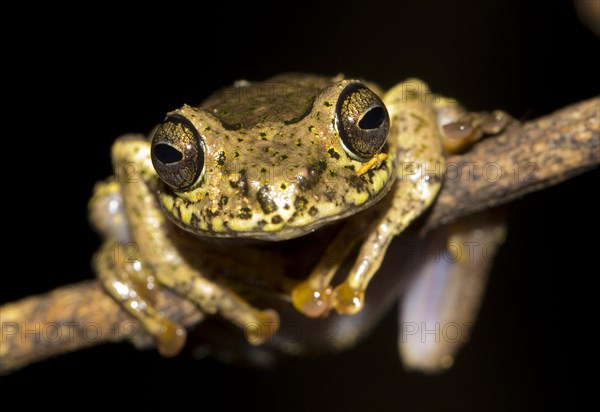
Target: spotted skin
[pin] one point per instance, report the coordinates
(283, 158)
(273, 166)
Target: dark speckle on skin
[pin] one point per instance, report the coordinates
(311, 175)
(241, 183)
(221, 158)
(309, 178)
(264, 199)
(313, 211)
(333, 153)
(330, 194)
(357, 182)
(300, 203)
(321, 166)
(276, 220)
(245, 213)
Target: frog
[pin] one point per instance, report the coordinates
(231, 185)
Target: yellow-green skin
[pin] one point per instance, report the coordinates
(275, 168)
(284, 172)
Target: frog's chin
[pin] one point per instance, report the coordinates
(255, 226)
(255, 236)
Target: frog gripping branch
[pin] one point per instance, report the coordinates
(270, 167)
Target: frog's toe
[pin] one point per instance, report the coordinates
(495, 122)
(132, 286)
(312, 302)
(348, 301)
(461, 134)
(171, 339)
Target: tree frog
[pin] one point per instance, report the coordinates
(293, 187)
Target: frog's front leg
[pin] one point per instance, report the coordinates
(132, 286)
(159, 256)
(122, 274)
(415, 130)
(415, 133)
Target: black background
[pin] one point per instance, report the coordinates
(83, 81)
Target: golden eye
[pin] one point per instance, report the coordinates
(362, 121)
(178, 153)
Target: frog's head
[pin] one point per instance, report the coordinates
(274, 160)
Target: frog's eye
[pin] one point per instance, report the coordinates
(362, 121)
(177, 152)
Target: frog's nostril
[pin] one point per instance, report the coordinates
(167, 154)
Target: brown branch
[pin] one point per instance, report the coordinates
(75, 317)
(539, 154)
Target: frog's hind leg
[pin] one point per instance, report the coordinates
(440, 303)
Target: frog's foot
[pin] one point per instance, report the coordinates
(462, 133)
(130, 284)
(316, 301)
(314, 296)
(348, 297)
(312, 300)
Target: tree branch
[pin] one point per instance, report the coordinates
(539, 154)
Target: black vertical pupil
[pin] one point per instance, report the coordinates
(372, 119)
(167, 154)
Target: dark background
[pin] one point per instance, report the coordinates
(84, 81)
